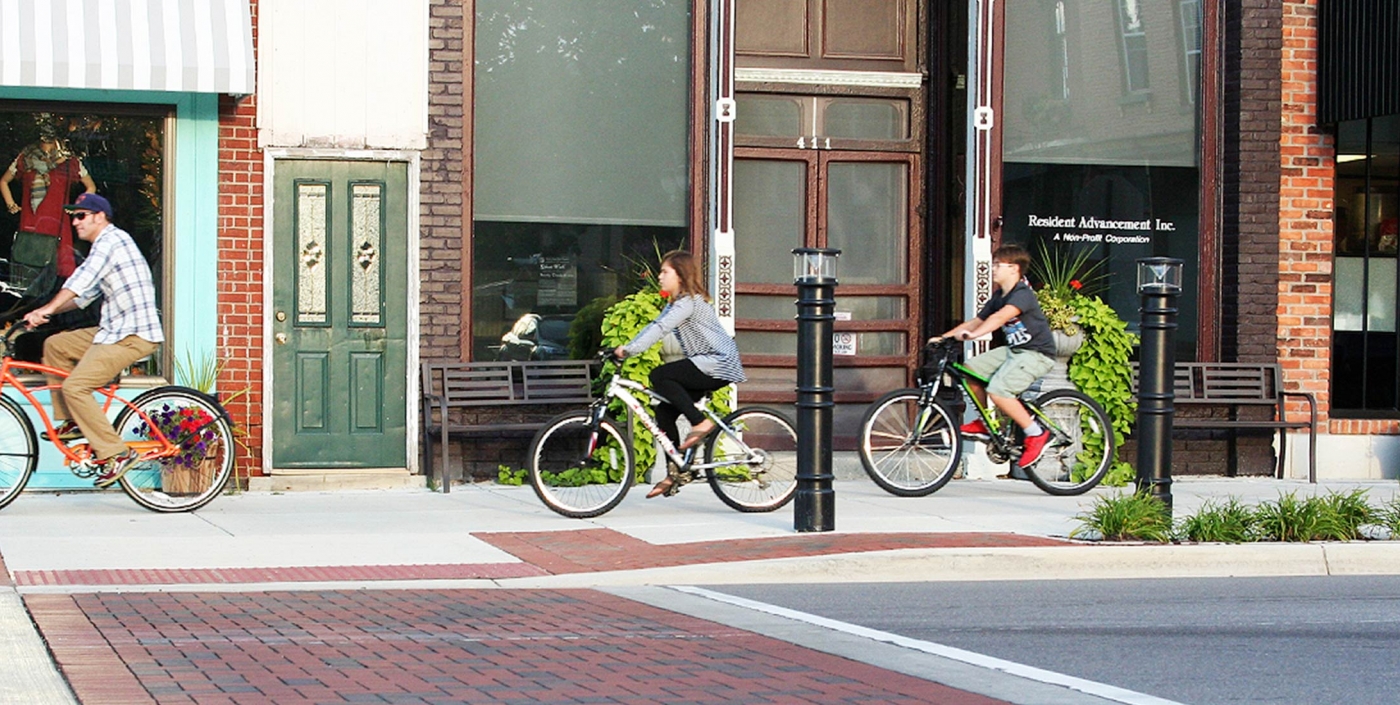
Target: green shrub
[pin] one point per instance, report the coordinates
(505, 475)
(1346, 514)
(1126, 517)
(1229, 521)
(1293, 519)
(1388, 517)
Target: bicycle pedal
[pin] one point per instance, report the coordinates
(85, 469)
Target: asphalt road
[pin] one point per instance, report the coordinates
(1203, 641)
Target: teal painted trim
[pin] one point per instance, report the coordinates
(192, 314)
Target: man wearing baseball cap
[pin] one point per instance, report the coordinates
(129, 330)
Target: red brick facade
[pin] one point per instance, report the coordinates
(1306, 191)
(240, 287)
(1305, 213)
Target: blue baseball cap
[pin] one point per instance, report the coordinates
(90, 202)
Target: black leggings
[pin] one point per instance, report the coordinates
(683, 384)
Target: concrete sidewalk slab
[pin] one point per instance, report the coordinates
(104, 531)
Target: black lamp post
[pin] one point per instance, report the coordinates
(814, 272)
(1159, 283)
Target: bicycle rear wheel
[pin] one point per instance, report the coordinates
(200, 427)
(760, 474)
(580, 469)
(1081, 448)
(19, 451)
(909, 449)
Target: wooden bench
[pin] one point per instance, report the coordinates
(1237, 386)
(449, 386)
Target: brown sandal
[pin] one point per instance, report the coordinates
(695, 437)
(661, 488)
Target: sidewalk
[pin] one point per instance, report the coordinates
(94, 571)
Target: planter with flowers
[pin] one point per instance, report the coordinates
(188, 427)
(1100, 364)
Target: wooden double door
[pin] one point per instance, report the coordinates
(861, 202)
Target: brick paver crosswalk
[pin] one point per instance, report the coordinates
(447, 646)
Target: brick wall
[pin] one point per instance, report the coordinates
(441, 211)
(1250, 155)
(240, 268)
(1305, 213)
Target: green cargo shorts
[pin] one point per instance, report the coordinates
(1011, 371)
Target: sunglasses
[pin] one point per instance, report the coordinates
(80, 215)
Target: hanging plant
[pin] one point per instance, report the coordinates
(1101, 367)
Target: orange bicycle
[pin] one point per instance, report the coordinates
(184, 437)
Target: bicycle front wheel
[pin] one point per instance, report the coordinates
(759, 460)
(1081, 447)
(909, 449)
(578, 468)
(199, 426)
(19, 451)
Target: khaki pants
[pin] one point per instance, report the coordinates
(90, 366)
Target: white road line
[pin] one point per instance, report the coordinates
(1101, 690)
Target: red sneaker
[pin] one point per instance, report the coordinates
(1033, 446)
(976, 430)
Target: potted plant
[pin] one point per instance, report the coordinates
(193, 470)
(1099, 363)
(188, 427)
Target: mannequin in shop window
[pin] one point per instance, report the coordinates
(47, 173)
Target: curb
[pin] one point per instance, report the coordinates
(1049, 563)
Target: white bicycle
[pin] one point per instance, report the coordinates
(582, 464)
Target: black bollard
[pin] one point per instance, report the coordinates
(814, 272)
(1159, 284)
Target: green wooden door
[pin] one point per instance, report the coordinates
(340, 312)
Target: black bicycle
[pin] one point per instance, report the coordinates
(910, 446)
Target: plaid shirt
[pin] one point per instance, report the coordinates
(116, 269)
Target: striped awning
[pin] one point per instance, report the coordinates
(199, 46)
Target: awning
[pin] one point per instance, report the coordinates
(200, 46)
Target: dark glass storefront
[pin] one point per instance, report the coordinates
(1101, 139)
(582, 164)
(1365, 380)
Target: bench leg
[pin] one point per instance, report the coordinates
(1282, 453)
(443, 477)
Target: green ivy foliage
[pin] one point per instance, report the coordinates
(1101, 369)
(621, 323)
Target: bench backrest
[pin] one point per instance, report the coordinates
(507, 383)
(1239, 382)
(1224, 382)
(560, 381)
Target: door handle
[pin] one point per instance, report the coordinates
(281, 338)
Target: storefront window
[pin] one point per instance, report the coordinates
(1096, 173)
(51, 154)
(581, 126)
(1365, 308)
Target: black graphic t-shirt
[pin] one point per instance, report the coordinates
(1031, 329)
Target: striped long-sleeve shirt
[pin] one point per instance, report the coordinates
(703, 339)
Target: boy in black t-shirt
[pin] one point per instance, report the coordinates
(1028, 355)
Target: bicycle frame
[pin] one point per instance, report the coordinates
(622, 389)
(150, 449)
(964, 377)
